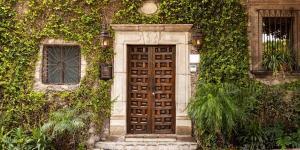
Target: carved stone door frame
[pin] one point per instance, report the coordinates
(151, 34)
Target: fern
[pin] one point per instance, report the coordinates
(64, 127)
(65, 121)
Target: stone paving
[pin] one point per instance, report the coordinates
(142, 145)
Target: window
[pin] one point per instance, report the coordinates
(61, 64)
(279, 40)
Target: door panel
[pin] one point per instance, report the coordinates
(151, 90)
(164, 91)
(138, 108)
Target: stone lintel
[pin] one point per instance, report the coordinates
(153, 27)
(58, 42)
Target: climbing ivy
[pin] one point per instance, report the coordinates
(224, 56)
(170, 12)
(24, 25)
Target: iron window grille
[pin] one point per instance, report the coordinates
(278, 31)
(61, 64)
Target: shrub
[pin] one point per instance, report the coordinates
(65, 127)
(252, 136)
(18, 138)
(273, 121)
(214, 111)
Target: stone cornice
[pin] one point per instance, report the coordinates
(153, 27)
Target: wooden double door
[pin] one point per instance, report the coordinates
(151, 89)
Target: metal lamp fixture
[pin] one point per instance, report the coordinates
(105, 71)
(105, 37)
(106, 42)
(197, 38)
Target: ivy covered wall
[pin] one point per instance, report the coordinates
(24, 24)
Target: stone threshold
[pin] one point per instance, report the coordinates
(150, 138)
(145, 146)
(147, 142)
(158, 137)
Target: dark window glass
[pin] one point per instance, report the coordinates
(61, 64)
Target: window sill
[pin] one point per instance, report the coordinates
(60, 84)
(55, 87)
(264, 73)
(268, 78)
(296, 73)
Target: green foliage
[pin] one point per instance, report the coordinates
(288, 140)
(39, 140)
(214, 111)
(170, 12)
(224, 54)
(63, 121)
(252, 137)
(273, 119)
(295, 139)
(64, 127)
(277, 60)
(130, 8)
(284, 141)
(218, 109)
(21, 33)
(278, 105)
(291, 140)
(272, 132)
(19, 139)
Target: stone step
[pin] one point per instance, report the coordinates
(150, 139)
(143, 145)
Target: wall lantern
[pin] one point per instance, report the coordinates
(105, 71)
(105, 38)
(197, 38)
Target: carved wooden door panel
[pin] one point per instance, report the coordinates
(151, 90)
(138, 103)
(164, 89)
